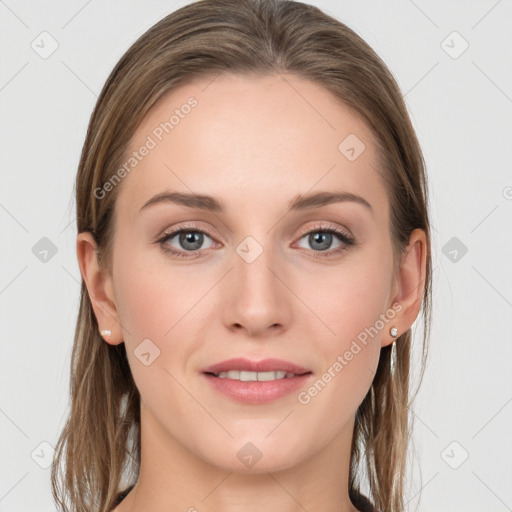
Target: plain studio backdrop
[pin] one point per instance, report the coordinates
(452, 62)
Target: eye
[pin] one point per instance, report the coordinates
(320, 240)
(184, 240)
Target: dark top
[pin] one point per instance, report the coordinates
(121, 496)
(361, 502)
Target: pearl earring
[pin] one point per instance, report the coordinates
(393, 331)
(106, 333)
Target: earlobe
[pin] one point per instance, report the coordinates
(99, 287)
(411, 283)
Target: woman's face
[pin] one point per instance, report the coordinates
(252, 277)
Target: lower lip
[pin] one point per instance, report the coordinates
(255, 392)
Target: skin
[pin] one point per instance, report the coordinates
(255, 143)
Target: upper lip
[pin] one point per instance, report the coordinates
(265, 365)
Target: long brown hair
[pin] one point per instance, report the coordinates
(100, 443)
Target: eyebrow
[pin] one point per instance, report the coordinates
(299, 203)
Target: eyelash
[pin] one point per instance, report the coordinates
(346, 240)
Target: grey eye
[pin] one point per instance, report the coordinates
(320, 240)
(187, 240)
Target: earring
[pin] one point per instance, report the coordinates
(393, 357)
(393, 331)
(106, 334)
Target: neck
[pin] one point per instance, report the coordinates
(173, 478)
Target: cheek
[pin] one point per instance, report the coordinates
(143, 305)
(151, 310)
(348, 299)
(350, 304)
(150, 297)
(160, 312)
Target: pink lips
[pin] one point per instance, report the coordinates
(256, 392)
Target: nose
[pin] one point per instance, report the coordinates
(257, 300)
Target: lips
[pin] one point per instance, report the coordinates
(250, 367)
(256, 382)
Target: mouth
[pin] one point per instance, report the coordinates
(256, 382)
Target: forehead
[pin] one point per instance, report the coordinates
(251, 140)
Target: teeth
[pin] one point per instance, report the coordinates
(255, 376)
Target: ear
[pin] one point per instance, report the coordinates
(99, 287)
(410, 284)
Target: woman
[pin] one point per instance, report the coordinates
(254, 242)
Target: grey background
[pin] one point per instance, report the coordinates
(460, 104)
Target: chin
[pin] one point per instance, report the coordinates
(262, 466)
(256, 456)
